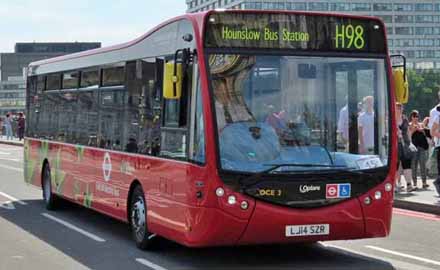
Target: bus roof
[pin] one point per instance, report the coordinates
(119, 52)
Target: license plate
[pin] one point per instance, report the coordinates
(307, 230)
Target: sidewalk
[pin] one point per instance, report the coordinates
(422, 200)
(14, 141)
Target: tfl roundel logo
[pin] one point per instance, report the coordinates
(107, 167)
(338, 191)
(331, 191)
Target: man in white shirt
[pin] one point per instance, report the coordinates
(366, 127)
(434, 112)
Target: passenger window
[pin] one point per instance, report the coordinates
(53, 82)
(111, 113)
(89, 78)
(87, 118)
(70, 80)
(113, 76)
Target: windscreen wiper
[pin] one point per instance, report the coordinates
(249, 181)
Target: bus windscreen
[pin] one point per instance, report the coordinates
(294, 31)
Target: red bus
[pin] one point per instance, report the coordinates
(223, 128)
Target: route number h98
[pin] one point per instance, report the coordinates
(349, 36)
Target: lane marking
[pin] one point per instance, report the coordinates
(404, 255)
(395, 263)
(73, 227)
(150, 264)
(4, 153)
(13, 199)
(10, 168)
(409, 213)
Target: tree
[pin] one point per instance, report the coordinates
(423, 88)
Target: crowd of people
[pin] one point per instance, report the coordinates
(12, 126)
(418, 148)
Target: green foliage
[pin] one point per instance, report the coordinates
(423, 88)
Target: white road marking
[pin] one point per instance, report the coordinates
(395, 263)
(4, 153)
(8, 205)
(10, 168)
(75, 228)
(12, 198)
(405, 255)
(150, 264)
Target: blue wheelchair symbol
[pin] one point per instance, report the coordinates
(344, 190)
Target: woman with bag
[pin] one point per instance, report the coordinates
(405, 149)
(418, 138)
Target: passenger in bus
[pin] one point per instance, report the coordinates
(131, 146)
(366, 126)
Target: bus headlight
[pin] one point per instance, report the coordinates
(219, 192)
(378, 195)
(388, 187)
(244, 205)
(232, 200)
(367, 200)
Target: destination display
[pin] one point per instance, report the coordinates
(294, 31)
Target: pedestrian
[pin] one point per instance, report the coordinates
(21, 126)
(8, 127)
(418, 138)
(405, 149)
(435, 134)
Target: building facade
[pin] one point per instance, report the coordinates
(12, 79)
(413, 27)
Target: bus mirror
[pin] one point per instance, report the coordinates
(172, 80)
(400, 85)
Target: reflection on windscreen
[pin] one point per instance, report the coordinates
(307, 110)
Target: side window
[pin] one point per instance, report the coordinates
(198, 144)
(111, 115)
(87, 118)
(66, 110)
(31, 106)
(142, 110)
(114, 75)
(53, 82)
(70, 80)
(89, 78)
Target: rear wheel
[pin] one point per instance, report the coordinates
(50, 200)
(138, 220)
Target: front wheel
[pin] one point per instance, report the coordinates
(50, 200)
(138, 220)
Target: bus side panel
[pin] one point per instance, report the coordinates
(33, 161)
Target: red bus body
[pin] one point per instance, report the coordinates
(172, 187)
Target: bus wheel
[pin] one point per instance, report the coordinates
(49, 198)
(138, 220)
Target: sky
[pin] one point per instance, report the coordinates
(107, 21)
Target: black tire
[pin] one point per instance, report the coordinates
(50, 200)
(138, 220)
